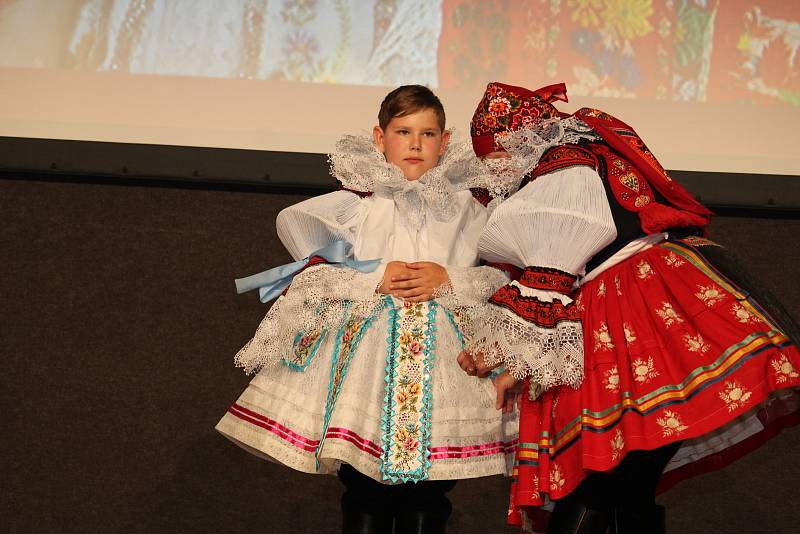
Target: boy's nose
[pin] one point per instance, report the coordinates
(416, 142)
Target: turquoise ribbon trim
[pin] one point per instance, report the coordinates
(342, 366)
(271, 283)
(390, 374)
(427, 388)
(297, 364)
(293, 361)
(388, 471)
(456, 329)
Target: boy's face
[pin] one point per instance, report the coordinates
(413, 142)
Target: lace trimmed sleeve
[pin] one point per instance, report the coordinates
(551, 227)
(467, 293)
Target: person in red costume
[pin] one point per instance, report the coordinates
(637, 343)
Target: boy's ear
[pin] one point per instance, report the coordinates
(377, 136)
(445, 141)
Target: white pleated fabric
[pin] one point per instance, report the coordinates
(559, 221)
(570, 204)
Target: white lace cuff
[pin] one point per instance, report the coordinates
(551, 354)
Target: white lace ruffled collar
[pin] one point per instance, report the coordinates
(360, 166)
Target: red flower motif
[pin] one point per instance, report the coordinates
(499, 106)
(410, 444)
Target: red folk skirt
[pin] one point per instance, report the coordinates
(674, 351)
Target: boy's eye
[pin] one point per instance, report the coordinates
(430, 134)
(402, 132)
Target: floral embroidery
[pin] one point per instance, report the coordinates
(406, 443)
(557, 479)
(554, 407)
(743, 315)
(617, 285)
(630, 336)
(644, 371)
(671, 424)
(579, 303)
(499, 106)
(602, 339)
(535, 491)
(696, 343)
(668, 314)
(734, 395)
(710, 295)
(601, 289)
(611, 379)
(347, 340)
(673, 260)
(502, 109)
(304, 349)
(784, 369)
(617, 444)
(406, 419)
(644, 270)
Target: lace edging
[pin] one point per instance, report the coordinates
(550, 356)
(307, 310)
(528, 144)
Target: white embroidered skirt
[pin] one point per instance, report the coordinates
(384, 394)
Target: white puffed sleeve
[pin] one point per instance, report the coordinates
(552, 227)
(559, 220)
(317, 222)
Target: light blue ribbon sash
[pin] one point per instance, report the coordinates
(272, 282)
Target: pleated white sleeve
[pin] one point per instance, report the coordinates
(557, 222)
(319, 221)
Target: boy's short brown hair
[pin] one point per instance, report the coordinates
(408, 99)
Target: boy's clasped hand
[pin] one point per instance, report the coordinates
(413, 282)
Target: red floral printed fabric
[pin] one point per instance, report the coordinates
(673, 351)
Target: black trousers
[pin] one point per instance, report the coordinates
(362, 491)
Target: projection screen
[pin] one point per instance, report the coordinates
(712, 85)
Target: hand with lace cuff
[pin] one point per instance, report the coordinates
(475, 365)
(415, 282)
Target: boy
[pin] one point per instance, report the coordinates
(357, 364)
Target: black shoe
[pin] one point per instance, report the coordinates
(360, 516)
(421, 522)
(639, 520)
(576, 518)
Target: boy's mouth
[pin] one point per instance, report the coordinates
(414, 160)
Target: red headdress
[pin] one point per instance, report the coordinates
(632, 168)
(505, 107)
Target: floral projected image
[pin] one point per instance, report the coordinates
(682, 50)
